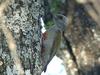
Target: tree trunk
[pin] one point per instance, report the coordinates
(22, 20)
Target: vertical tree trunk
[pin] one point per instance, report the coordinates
(22, 19)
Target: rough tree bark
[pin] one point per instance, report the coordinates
(22, 20)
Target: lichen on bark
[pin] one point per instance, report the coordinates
(22, 20)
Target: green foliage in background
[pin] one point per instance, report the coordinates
(54, 8)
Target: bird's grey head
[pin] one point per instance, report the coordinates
(61, 21)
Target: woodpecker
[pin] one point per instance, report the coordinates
(52, 39)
